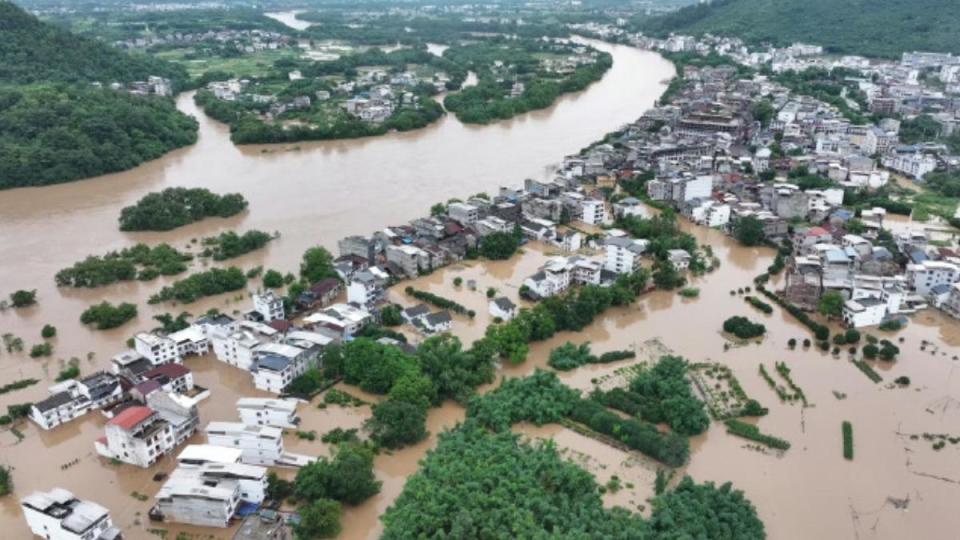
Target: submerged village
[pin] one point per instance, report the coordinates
(811, 175)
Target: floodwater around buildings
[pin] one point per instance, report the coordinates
(897, 486)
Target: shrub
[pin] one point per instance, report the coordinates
(792, 343)
(752, 432)
(743, 328)
(847, 429)
(106, 316)
(48, 331)
(891, 326)
(41, 349)
(23, 298)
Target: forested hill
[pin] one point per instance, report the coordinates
(32, 51)
(882, 28)
(55, 126)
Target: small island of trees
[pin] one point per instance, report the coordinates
(176, 207)
(743, 327)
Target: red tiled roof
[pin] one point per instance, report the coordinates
(817, 231)
(131, 417)
(171, 370)
(280, 325)
(147, 387)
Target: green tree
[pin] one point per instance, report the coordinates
(415, 389)
(831, 304)
(6, 481)
(278, 489)
(317, 265)
(391, 315)
(666, 276)
(272, 279)
(499, 246)
(48, 331)
(705, 511)
(748, 231)
(347, 478)
(396, 424)
(23, 298)
(319, 519)
(106, 316)
(454, 372)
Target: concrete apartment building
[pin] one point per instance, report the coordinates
(138, 436)
(622, 254)
(268, 306)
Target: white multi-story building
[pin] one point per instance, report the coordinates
(463, 213)
(277, 364)
(867, 311)
(594, 212)
(59, 515)
(191, 341)
(269, 306)
(365, 289)
(281, 413)
(711, 214)
(915, 165)
(928, 274)
(623, 254)
(138, 436)
(261, 445)
(179, 411)
(559, 273)
(73, 398)
(235, 343)
(194, 500)
(57, 409)
(157, 349)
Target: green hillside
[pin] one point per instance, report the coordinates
(33, 51)
(56, 127)
(883, 28)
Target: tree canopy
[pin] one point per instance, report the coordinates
(481, 485)
(51, 133)
(870, 27)
(176, 207)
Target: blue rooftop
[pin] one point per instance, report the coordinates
(273, 362)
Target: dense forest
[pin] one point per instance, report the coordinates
(52, 133)
(883, 28)
(56, 126)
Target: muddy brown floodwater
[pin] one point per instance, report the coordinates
(312, 193)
